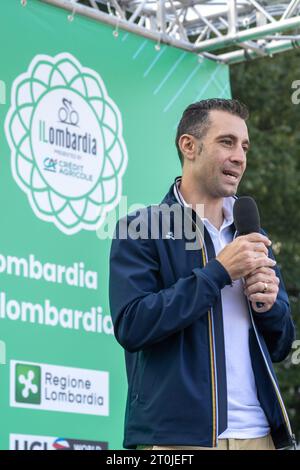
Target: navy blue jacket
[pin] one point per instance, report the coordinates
(166, 307)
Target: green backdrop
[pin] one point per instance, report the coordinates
(86, 119)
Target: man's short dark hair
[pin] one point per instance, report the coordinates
(195, 119)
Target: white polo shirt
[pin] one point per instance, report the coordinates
(246, 418)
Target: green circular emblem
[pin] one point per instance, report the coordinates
(65, 134)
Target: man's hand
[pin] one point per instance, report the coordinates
(262, 286)
(246, 254)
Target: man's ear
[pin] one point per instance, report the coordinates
(188, 146)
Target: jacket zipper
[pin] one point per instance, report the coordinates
(213, 380)
(212, 356)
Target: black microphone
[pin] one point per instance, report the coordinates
(246, 215)
(246, 219)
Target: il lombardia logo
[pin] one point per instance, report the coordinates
(67, 150)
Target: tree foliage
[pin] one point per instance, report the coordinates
(273, 179)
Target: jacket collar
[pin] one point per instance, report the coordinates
(171, 199)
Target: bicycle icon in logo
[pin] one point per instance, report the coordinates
(67, 114)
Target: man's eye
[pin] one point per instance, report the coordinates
(227, 142)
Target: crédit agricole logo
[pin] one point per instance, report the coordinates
(65, 134)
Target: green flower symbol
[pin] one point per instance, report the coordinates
(65, 135)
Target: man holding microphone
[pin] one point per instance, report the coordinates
(201, 327)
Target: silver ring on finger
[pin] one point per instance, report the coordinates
(265, 288)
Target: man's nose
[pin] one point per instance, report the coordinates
(239, 154)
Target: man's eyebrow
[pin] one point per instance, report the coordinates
(234, 137)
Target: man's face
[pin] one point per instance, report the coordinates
(221, 163)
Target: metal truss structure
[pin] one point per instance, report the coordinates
(228, 31)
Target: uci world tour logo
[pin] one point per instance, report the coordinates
(65, 134)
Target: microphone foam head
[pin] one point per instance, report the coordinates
(246, 215)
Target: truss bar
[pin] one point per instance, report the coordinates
(232, 17)
(122, 24)
(253, 46)
(137, 12)
(208, 23)
(208, 55)
(118, 8)
(201, 26)
(93, 3)
(252, 33)
(179, 24)
(161, 15)
(201, 36)
(291, 37)
(290, 9)
(263, 11)
(270, 49)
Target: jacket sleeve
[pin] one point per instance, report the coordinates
(276, 325)
(144, 312)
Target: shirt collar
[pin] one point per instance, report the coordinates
(228, 203)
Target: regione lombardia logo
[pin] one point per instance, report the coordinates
(67, 149)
